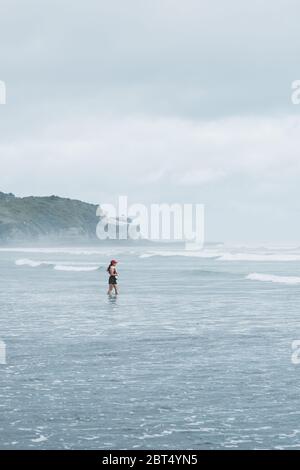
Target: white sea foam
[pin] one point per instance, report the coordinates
(63, 267)
(58, 266)
(186, 253)
(32, 263)
(41, 438)
(233, 254)
(259, 257)
(273, 278)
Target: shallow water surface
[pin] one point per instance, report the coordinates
(191, 355)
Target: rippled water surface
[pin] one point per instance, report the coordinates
(193, 354)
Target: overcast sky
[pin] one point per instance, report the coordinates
(161, 100)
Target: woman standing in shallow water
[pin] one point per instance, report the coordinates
(112, 271)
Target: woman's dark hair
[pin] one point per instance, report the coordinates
(110, 265)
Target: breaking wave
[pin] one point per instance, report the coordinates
(33, 264)
(58, 266)
(293, 280)
(220, 255)
(186, 253)
(62, 267)
(259, 257)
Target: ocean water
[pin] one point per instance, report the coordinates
(195, 352)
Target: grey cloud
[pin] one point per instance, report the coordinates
(120, 96)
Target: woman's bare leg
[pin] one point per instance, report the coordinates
(116, 289)
(110, 289)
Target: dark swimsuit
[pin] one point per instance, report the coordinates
(112, 280)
